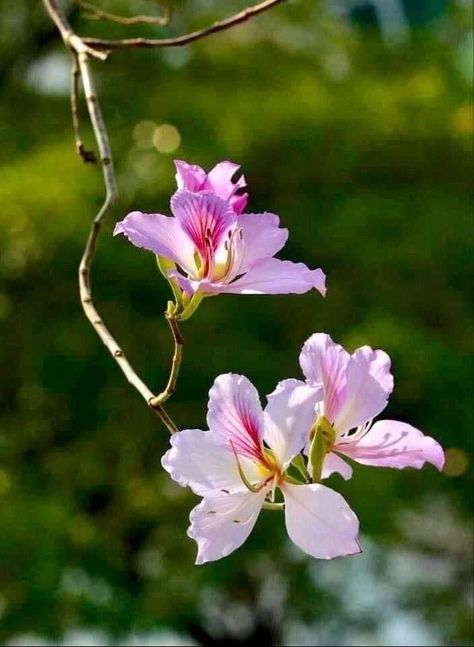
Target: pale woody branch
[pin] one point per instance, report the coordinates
(82, 49)
(98, 14)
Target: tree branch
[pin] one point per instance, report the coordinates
(99, 14)
(185, 39)
(82, 49)
(86, 155)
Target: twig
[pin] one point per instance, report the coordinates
(221, 25)
(100, 133)
(175, 364)
(87, 156)
(82, 49)
(98, 14)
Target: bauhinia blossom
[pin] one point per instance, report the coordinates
(219, 181)
(237, 467)
(211, 248)
(356, 388)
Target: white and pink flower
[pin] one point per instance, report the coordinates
(240, 464)
(356, 389)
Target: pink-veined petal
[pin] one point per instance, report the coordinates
(273, 276)
(189, 176)
(262, 237)
(365, 396)
(325, 362)
(235, 415)
(289, 416)
(390, 443)
(220, 524)
(334, 464)
(319, 521)
(197, 460)
(158, 234)
(204, 217)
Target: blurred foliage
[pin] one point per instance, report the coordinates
(362, 145)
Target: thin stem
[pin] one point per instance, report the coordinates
(268, 505)
(175, 363)
(86, 155)
(220, 25)
(98, 14)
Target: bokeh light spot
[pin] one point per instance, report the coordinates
(143, 134)
(456, 462)
(463, 119)
(166, 138)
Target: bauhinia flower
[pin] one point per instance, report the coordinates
(219, 181)
(239, 465)
(208, 248)
(356, 388)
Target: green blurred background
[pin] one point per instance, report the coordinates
(353, 122)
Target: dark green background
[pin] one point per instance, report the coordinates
(360, 141)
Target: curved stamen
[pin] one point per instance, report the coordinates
(245, 481)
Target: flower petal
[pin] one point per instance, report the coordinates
(195, 459)
(262, 237)
(390, 443)
(221, 523)
(158, 234)
(219, 179)
(365, 395)
(189, 176)
(319, 521)
(204, 217)
(235, 415)
(325, 362)
(334, 464)
(272, 276)
(289, 416)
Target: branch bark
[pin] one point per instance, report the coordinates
(185, 39)
(82, 50)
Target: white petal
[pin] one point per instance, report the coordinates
(198, 461)
(366, 391)
(325, 362)
(390, 443)
(334, 464)
(289, 416)
(235, 415)
(221, 523)
(319, 521)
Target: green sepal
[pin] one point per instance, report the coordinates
(165, 265)
(191, 308)
(299, 463)
(322, 440)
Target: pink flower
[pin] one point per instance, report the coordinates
(237, 466)
(356, 388)
(219, 181)
(214, 249)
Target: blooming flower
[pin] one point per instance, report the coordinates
(236, 467)
(217, 249)
(355, 389)
(219, 180)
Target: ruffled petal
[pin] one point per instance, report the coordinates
(390, 443)
(334, 464)
(219, 179)
(160, 235)
(272, 276)
(319, 521)
(365, 395)
(235, 415)
(325, 362)
(289, 416)
(262, 237)
(189, 176)
(220, 524)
